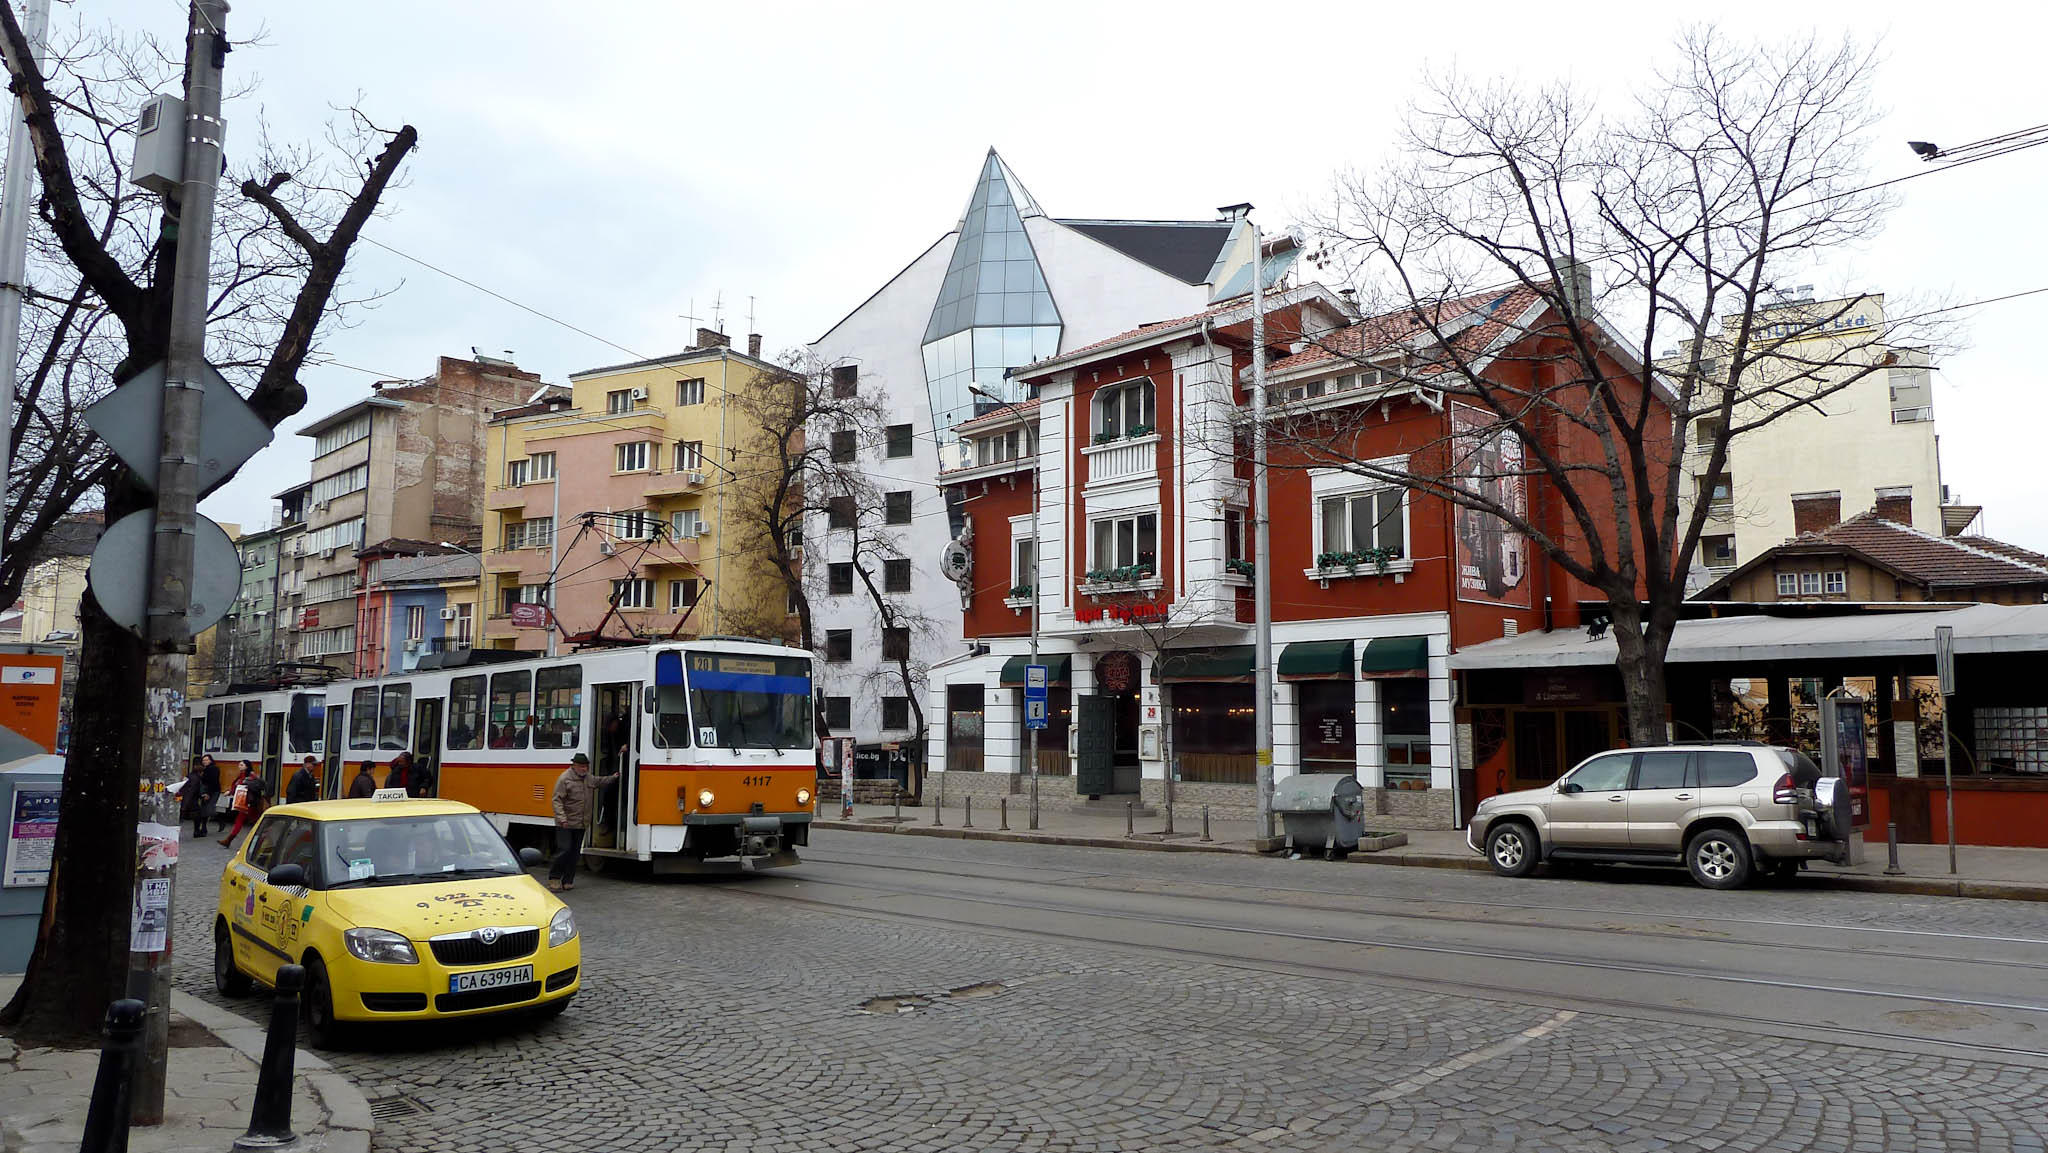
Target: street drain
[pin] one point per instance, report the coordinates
(396, 1108)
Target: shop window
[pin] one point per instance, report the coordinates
(963, 728)
(1328, 732)
(1404, 732)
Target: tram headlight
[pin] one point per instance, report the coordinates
(704, 798)
(803, 796)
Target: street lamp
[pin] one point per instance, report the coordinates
(1036, 548)
(483, 611)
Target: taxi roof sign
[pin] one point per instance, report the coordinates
(389, 795)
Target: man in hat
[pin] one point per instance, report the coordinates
(575, 801)
(305, 784)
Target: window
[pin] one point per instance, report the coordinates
(1404, 734)
(1233, 535)
(690, 391)
(896, 507)
(896, 576)
(1328, 725)
(362, 718)
(1809, 584)
(394, 720)
(1604, 774)
(1705, 431)
(557, 706)
(415, 622)
(899, 440)
(1005, 447)
(746, 702)
(839, 512)
(1124, 542)
(329, 642)
(215, 716)
(637, 524)
(687, 524)
(465, 620)
(896, 644)
(341, 435)
(618, 401)
(1366, 520)
(689, 456)
(1725, 769)
(1837, 583)
(838, 644)
(347, 534)
(838, 579)
(633, 593)
(1663, 770)
(517, 472)
(1126, 410)
(330, 588)
(838, 713)
(524, 595)
(1788, 584)
(895, 712)
(845, 381)
(342, 483)
(1023, 562)
(511, 709)
(795, 536)
(632, 457)
(682, 594)
(541, 466)
(1718, 551)
(1718, 492)
(466, 713)
(842, 447)
(536, 533)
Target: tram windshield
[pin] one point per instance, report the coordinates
(750, 702)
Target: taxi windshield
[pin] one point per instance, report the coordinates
(401, 850)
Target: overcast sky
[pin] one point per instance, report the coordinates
(622, 165)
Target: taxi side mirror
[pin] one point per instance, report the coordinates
(287, 876)
(529, 856)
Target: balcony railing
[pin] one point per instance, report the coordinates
(1122, 459)
(675, 483)
(500, 499)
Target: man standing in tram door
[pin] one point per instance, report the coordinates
(305, 784)
(575, 800)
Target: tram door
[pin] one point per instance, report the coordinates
(273, 752)
(337, 733)
(426, 736)
(615, 730)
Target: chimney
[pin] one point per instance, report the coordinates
(711, 338)
(754, 345)
(1896, 504)
(1816, 511)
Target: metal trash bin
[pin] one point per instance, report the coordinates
(1323, 811)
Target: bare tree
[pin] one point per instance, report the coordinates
(1530, 262)
(279, 258)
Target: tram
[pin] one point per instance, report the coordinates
(710, 740)
(271, 728)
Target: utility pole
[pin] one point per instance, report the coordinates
(1262, 552)
(190, 217)
(35, 19)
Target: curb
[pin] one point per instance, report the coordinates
(1964, 887)
(348, 1126)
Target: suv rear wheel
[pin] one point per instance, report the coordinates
(1718, 858)
(1511, 849)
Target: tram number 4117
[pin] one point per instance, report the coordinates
(757, 780)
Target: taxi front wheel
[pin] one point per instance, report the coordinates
(228, 981)
(317, 1005)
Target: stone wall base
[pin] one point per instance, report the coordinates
(1384, 808)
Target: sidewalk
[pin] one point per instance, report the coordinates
(44, 1093)
(2006, 874)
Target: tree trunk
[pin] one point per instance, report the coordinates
(81, 962)
(1641, 643)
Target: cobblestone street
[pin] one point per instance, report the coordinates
(803, 1012)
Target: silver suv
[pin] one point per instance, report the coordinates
(1722, 810)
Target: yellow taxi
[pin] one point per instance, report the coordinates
(399, 909)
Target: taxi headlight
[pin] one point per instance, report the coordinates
(803, 796)
(562, 929)
(380, 946)
(704, 798)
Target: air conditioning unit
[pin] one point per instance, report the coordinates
(319, 506)
(607, 548)
(412, 645)
(703, 528)
(327, 553)
(696, 478)
(639, 394)
(450, 615)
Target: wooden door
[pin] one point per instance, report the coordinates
(1095, 745)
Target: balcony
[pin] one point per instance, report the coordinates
(510, 560)
(677, 483)
(667, 552)
(501, 499)
(1133, 458)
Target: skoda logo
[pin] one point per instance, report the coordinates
(487, 936)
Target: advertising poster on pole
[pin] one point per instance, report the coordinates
(846, 751)
(1853, 755)
(31, 837)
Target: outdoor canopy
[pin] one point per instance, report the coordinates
(1395, 657)
(1059, 668)
(1316, 661)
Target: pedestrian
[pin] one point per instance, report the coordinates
(420, 779)
(364, 786)
(574, 800)
(247, 801)
(400, 774)
(209, 776)
(196, 797)
(305, 784)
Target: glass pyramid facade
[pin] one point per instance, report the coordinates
(994, 311)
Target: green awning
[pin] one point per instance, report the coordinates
(1224, 663)
(1316, 661)
(1395, 657)
(1059, 668)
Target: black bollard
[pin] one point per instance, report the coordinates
(968, 820)
(896, 795)
(1891, 837)
(1003, 813)
(106, 1119)
(1130, 819)
(270, 1119)
(1205, 822)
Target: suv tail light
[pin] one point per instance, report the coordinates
(1785, 792)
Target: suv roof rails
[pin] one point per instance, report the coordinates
(1743, 741)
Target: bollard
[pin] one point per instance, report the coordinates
(938, 814)
(270, 1119)
(1891, 837)
(1205, 822)
(1130, 819)
(896, 795)
(106, 1119)
(1003, 813)
(967, 809)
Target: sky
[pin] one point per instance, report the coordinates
(624, 167)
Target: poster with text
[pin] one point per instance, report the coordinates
(31, 837)
(1492, 558)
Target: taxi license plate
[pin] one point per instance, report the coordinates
(489, 979)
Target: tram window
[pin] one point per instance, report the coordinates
(745, 702)
(557, 707)
(304, 723)
(466, 713)
(252, 727)
(511, 707)
(231, 728)
(671, 703)
(362, 719)
(216, 715)
(394, 725)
